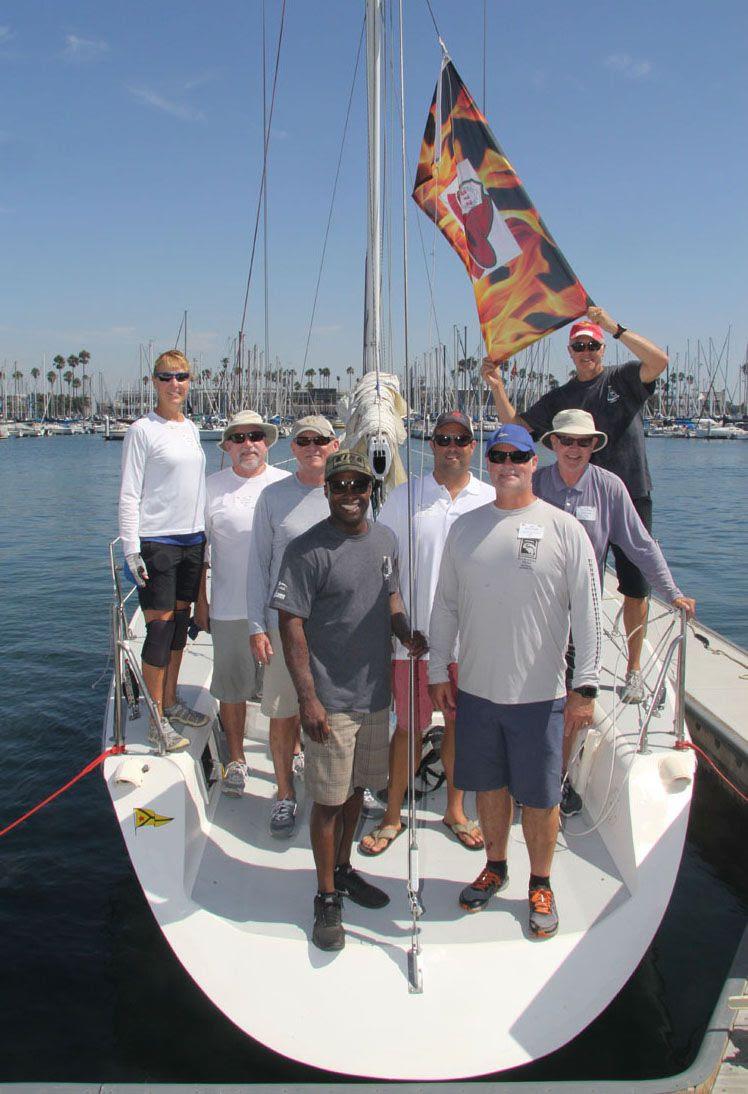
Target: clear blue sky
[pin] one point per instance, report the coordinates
(130, 157)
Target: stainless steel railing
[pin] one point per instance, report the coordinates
(127, 671)
(677, 643)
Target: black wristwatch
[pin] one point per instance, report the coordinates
(587, 691)
(621, 330)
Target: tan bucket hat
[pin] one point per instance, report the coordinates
(577, 423)
(241, 422)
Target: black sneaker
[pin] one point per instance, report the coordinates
(571, 803)
(348, 882)
(543, 914)
(476, 896)
(328, 933)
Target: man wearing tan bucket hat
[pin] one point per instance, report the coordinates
(601, 502)
(229, 513)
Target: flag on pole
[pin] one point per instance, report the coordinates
(524, 287)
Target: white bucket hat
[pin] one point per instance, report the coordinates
(245, 418)
(577, 423)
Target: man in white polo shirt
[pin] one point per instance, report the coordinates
(437, 500)
(229, 512)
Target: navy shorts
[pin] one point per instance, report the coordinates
(174, 573)
(631, 581)
(517, 745)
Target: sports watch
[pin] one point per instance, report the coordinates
(587, 691)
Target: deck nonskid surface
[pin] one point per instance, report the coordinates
(266, 886)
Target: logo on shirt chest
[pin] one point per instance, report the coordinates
(527, 553)
(613, 395)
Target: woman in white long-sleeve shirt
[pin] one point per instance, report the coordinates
(162, 527)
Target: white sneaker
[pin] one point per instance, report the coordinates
(234, 778)
(173, 741)
(186, 716)
(297, 766)
(633, 688)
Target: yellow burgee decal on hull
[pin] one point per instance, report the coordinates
(147, 816)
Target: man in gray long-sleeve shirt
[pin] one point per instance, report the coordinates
(513, 575)
(282, 515)
(601, 502)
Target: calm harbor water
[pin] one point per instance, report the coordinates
(91, 992)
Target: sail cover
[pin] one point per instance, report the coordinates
(524, 287)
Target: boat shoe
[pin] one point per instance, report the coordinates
(348, 882)
(543, 914)
(476, 896)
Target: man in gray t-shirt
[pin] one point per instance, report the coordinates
(338, 604)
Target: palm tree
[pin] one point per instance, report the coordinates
(59, 363)
(17, 376)
(76, 384)
(36, 373)
(325, 374)
(311, 373)
(84, 357)
(349, 373)
(51, 378)
(68, 378)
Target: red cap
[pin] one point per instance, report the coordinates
(585, 328)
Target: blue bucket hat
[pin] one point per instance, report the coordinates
(511, 434)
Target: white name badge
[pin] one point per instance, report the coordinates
(586, 512)
(530, 531)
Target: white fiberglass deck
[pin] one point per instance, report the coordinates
(236, 906)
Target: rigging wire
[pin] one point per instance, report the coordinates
(266, 143)
(332, 198)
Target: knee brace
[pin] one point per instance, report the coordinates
(181, 626)
(159, 634)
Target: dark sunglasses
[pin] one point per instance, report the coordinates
(462, 440)
(164, 377)
(567, 442)
(302, 442)
(580, 347)
(342, 486)
(496, 456)
(255, 436)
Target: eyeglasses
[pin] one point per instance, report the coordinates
(164, 377)
(255, 436)
(567, 442)
(462, 440)
(580, 347)
(302, 442)
(496, 456)
(342, 486)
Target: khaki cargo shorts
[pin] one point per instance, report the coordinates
(279, 698)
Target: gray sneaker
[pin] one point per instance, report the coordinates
(183, 714)
(234, 778)
(543, 914)
(283, 818)
(173, 741)
(633, 688)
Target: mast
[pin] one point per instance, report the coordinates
(372, 313)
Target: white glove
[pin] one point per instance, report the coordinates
(137, 569)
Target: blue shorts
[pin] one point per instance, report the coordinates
(517, 745)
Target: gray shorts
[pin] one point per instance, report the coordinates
(517, 745)
(356, 754)
(279, 698)
(235, 677)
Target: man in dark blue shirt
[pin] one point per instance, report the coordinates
(615, 396)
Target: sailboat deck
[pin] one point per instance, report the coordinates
(266, 885)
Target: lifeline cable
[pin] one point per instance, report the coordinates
(115, 750)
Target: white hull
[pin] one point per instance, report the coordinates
(236, 905)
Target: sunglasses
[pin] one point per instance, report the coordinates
(164, 377)
(462, 440)
(302, 442)
(496, 456)
(567, 442)
(580, 347)
(255, 436)
(342, 486)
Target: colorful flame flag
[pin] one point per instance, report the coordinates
(524, 287)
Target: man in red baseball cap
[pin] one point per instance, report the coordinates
(614, 395)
